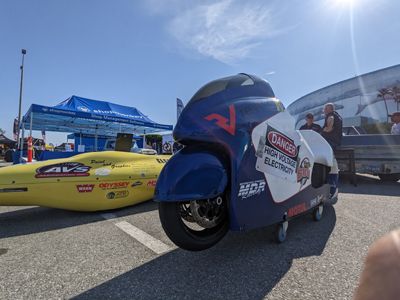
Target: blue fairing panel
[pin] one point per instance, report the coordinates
(191, 175)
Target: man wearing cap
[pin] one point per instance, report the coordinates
(310, 125)
(396, 123)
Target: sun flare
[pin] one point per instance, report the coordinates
(344, 3)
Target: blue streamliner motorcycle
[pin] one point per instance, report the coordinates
(243, 166)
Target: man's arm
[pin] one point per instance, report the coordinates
(329, 124)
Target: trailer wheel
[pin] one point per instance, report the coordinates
(317, 213)
(389, 177)
(281, 232)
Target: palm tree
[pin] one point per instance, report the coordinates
(381, 94)
(2, 131)
(396, 95)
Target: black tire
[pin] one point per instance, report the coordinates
(390, 177)
(185, 237)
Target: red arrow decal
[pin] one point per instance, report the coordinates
(228, 125)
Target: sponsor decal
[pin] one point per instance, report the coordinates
(317, 200)
(282, 143)
(113, 185)
(68, 169)
(162, 160)
(229, 125)
(85, 188)
(14, 190)
(102, 172)
(298, 209)
(83, 108)
(152, 183)
(251, 188)
(303, 171)
(100, 162)
(120, 166)
(136, 183)
(117, 194)
(167, 147)
(277, 155)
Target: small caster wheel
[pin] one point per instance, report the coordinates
(317, 213)
(281, 232)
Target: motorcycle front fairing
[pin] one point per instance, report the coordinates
(192, 173)
(268, 165)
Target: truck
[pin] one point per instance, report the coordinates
(375, 154)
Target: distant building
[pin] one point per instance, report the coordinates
(364, 99)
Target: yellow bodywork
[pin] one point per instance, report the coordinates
(86, 182)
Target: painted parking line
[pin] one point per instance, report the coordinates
(142, 237)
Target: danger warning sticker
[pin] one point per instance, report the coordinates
(277, 155)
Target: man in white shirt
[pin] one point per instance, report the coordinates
(396, 121)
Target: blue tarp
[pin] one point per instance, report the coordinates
(81, 115)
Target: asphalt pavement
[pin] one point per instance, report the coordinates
(55, 254)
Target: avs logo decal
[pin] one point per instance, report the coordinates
(68, 169)
(282, 143)
(85, 188)
(303, 171)
(248, 189)
(229, 125)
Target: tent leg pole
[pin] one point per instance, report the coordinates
(31, 123)
(21, 153)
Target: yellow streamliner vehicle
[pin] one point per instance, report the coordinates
(86, 182)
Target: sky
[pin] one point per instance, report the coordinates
(146, 53)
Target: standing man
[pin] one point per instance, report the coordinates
(332, 132)
(310, 125)
(396, 123)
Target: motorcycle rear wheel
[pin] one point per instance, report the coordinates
(181, 234)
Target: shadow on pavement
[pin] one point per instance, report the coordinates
(242, 266)
(370, 185)
(41, 219)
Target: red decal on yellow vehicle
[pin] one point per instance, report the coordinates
(113, 185)
(152, 183)
(85, 188)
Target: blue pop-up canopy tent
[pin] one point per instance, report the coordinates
(92, 117)
(81, 115)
